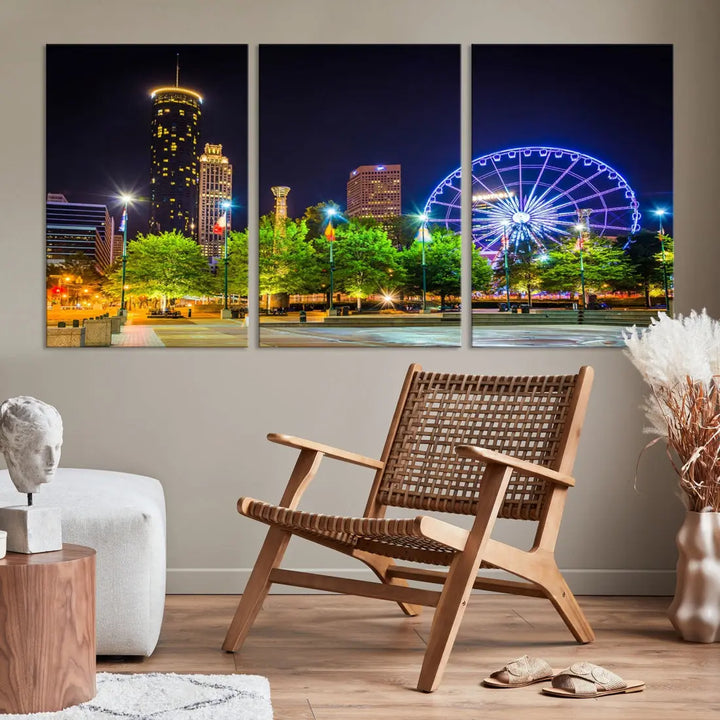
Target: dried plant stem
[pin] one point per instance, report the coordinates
(692, 413)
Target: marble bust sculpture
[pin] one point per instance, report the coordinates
(31, 434)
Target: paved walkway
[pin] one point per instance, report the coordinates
(213, 333)
(232, 333)
(316, 335)
(136, 336)
(549, 336)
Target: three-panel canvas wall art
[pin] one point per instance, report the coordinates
(366, 231)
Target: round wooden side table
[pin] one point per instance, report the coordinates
(47, 630)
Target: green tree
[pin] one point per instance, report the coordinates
(315, 218)
(287, 261)
(481, 271)
(644, 254)
(402, 229)
(237, 263)
(606, 267)
(658, 277)
(365, 260)
(163, 267)
(525, 270)
(76, 274)
(443, 255)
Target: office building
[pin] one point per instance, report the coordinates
(215, 189)
(107, 252)
(75, 228)
(373, 191)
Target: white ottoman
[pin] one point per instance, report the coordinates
(122, 516)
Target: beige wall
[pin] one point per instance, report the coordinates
(196, 419)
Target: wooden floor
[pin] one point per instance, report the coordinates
(343, 658)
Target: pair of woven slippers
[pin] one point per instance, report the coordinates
(580, 680)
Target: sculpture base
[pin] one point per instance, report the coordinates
(31, 529)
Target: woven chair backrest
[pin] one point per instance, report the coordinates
(526, 417)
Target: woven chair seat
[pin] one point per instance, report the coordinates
(397, 538)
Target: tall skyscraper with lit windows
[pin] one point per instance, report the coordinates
(175, 132)
(215, 189)
(374, 191)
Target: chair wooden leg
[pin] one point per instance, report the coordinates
(257, 588)
(560, 595)
(445, 625)
(379, 565)
(460, 579)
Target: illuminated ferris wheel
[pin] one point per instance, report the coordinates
(533, 196)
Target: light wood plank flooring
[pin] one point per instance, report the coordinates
(341, 658)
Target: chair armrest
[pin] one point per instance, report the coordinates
(523, 466)
(344, 455)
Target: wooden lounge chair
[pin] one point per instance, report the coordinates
(466, 444)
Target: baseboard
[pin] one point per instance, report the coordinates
(230, 581)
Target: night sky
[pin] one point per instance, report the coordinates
(613, 102)
(325, 109)
(98, 117)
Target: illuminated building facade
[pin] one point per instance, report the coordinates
(215, 189)
(107, 251)
(75, 228)
(175, 130)
(373, 191)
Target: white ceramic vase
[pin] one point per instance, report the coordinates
(695, 610)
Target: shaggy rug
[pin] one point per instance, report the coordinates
(166, 696)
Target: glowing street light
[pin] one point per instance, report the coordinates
(661, 237)
(506, 247)
(226, 205)
(330, 213)
(424, 237)
(580, 243)
(126, 200)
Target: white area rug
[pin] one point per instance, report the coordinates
(166, 696)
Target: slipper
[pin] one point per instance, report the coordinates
(520, 673)
(585, 680)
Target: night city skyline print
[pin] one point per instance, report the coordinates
(146, 208)
(348, 256)
(572, 193)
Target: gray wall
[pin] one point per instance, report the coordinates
(196, 419)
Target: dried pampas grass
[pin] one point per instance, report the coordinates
(680, 360)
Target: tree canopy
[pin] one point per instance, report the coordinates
(606, 267)
(237, 262)
(443, 254)
(287, 262)
(364, 258)
(525, 271)
(163, 267)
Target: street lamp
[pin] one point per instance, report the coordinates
(506, 246)
(424, 238)
(126, 199)
(226, 205)
(581, 239)
(330, 212)
(661, 237)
